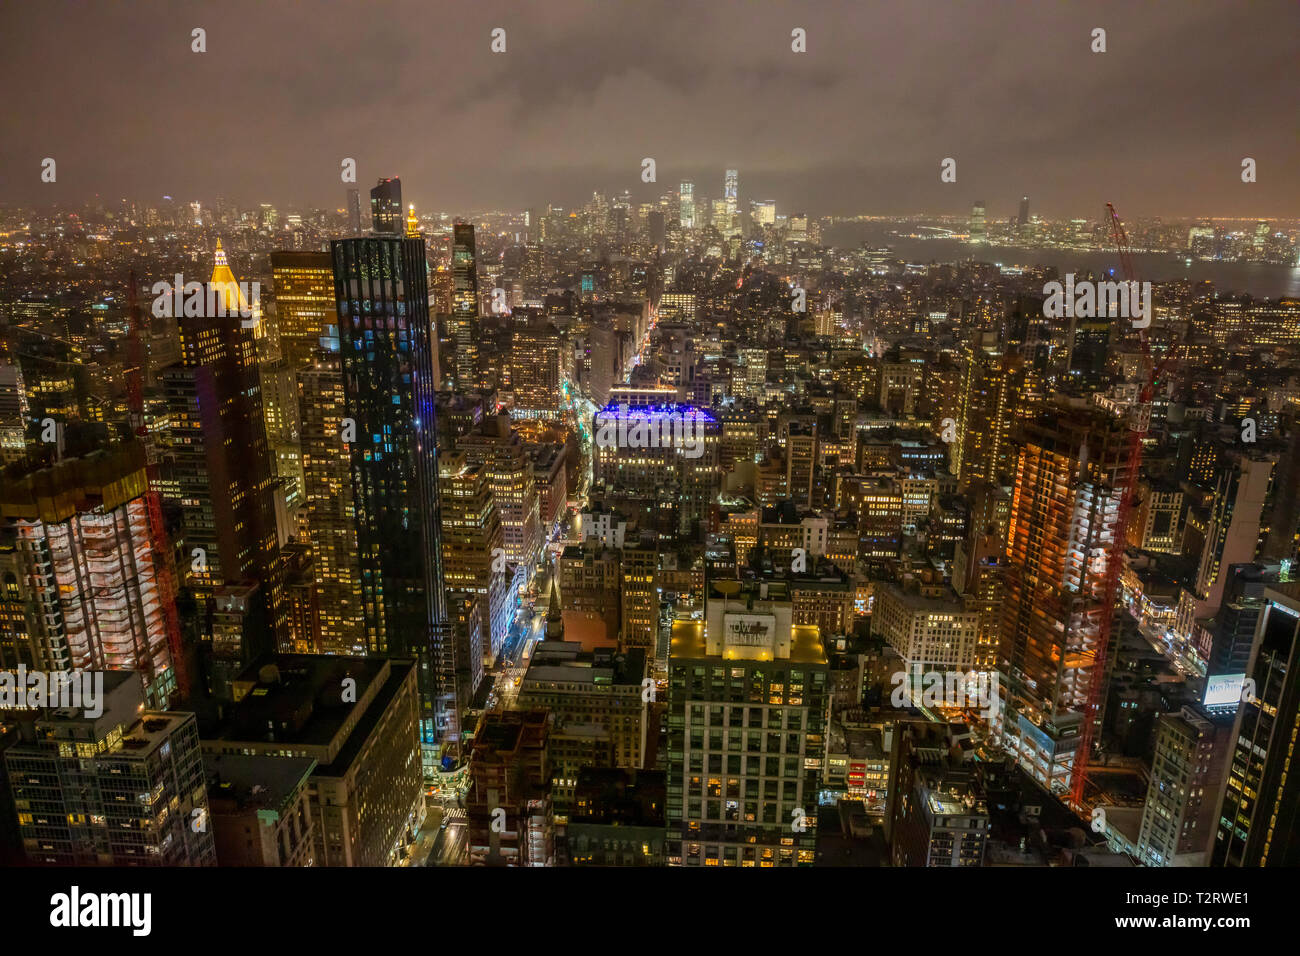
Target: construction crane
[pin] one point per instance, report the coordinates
(162, 554)
(1139, 422)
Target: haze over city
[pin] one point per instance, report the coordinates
(1159, 123)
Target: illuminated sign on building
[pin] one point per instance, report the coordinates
(1224, 690)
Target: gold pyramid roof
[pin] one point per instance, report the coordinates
(223, 280)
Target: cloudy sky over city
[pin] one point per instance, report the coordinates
(1159, 123)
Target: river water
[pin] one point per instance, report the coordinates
(1257, 278)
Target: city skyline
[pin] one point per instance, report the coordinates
(551, 437)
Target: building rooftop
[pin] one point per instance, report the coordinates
(253, 781)
(297, 700)
(688, 643)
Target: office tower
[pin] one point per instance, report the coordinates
(386, 354)
(995, 392)
(550, 478)
(1155, 523)
(1179, 815)
(535, 354)
(412, 223)
(748, 706)
(979, 564)
(123, 788)
(1072, 467)
(509, 804)
(1232, 632)
(763, 212)
(639, 587)
(13, 414)
(656, 229)
(930, 633)
(366, 792)
(473, 546)
(354, 211)
(1022, 219)
(85, 576)
(328, 503)
(495, 445)
(978, 228)
(938, 812)
(304, 303)
(721, 220)
(1232, 535)
(1258, 823)
(687, 217)
(1282, 542)
(731, 190)
(649, 447)
(467, 612)
(801, 463)
(463, 326)
(386, 216)
(260, 813)
(222, 480)
(598, 710)
(1089, 343)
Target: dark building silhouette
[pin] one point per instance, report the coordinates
(386, 207)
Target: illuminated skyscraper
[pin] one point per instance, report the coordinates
(386, 208)
(535, 370)
(1070, 473)
(464, 323)
(730, 190)
(328, 506)
(380, 286)
(304, 303)
(473, 545)
(978, 228)
(223, 478)
(688, 204)
(994, 394)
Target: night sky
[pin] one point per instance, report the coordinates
(1158, 124)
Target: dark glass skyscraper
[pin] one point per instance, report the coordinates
(386, 207)
(387, 362)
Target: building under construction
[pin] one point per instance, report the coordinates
(1070, 474)
(89, 575)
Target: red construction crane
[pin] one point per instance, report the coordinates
(1139, 422)
(162, 554)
